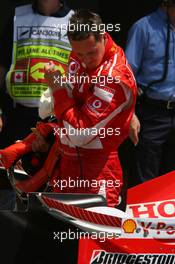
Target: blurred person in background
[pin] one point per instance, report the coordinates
(150, 51)
(36, 35)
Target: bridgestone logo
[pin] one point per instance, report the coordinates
(102, 257)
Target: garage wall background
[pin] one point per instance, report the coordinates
(8, 6)
(126, 13)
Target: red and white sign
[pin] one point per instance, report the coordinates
(18, 77)
(148, 235)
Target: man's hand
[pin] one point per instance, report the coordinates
(53, 77)
(1, 123)
(3, 72)
(134, 129)
(40, 144)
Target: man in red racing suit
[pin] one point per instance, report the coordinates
(94, 109)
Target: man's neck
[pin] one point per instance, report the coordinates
(48, 10)
(172, 18)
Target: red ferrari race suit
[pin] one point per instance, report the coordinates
(93, 122)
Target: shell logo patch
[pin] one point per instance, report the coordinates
(129, 226)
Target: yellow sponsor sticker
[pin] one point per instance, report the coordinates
(47, 52)
(28, 91)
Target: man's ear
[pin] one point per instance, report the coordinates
(103, 36)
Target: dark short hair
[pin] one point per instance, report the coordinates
(166, 2)
(84, 23)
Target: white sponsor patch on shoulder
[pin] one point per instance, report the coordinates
(105, 93)
(73, 67)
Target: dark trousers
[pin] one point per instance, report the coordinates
(155, 153)
(18, 121)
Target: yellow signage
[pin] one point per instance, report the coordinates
(35, 51)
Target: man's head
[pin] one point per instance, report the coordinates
(86, 38)
(48, 7)
(167, 2)
(169, 7)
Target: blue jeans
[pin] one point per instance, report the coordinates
(7, 199)
(155, 152)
